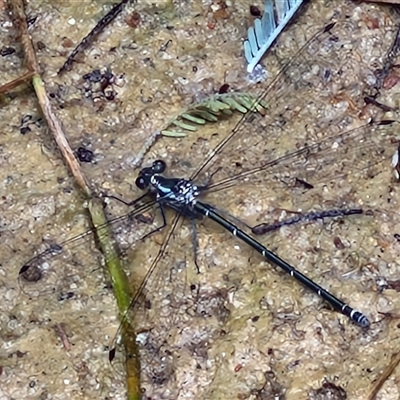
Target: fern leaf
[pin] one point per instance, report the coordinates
(212, 109)
(209, 110)
(277, 14)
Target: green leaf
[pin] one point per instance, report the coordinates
(212, 110)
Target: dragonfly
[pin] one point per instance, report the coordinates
(198, 278)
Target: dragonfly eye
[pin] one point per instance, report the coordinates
(141, 182)
(159, 166)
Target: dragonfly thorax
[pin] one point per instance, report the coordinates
(174, 190)
(181, 191)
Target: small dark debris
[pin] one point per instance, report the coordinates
(373, 101)
(84, 155)
(111, 355)
(133, 20)
(149, 62)
(330, 391)
(147, 304)
(238, 367)
(293, 364)
(386, 122)
(31, 20)
(338, 243)
(94, 76)
(55, 249)
(397, 236)
(224, 89)
(195, 69)
(27, 122)
(67, 190)
(67, 42)
(40, 45)
(256, 318)
(302, 183)
(255, 11)
(107, 79)
(165, 46)
(24, 130)
(333, 38)
(66, 296)
(327, 74)
(32, 384)
(18, 354)
(98, 85)
(223, 12)
(390, 81)
(30, 273)
(394, 285)
(110, 95)
(6, 51)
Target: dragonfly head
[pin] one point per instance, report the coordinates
(143, 180)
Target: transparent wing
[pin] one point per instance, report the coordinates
(175, 312)
(325, 145)
(61, 269)
(359, 151)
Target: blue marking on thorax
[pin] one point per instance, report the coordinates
(181, 191)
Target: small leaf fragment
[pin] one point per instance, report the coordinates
(235, 105)
(173, 134)
(182, 125)
(193, 118)
(207, 115)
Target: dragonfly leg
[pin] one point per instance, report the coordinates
(130, 203)
(195, 243)
(159, 228)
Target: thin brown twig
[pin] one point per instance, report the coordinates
(110, 16)
(59, 328)
(16, 82)
(18, 12)
(384, 376)
(118, 277)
